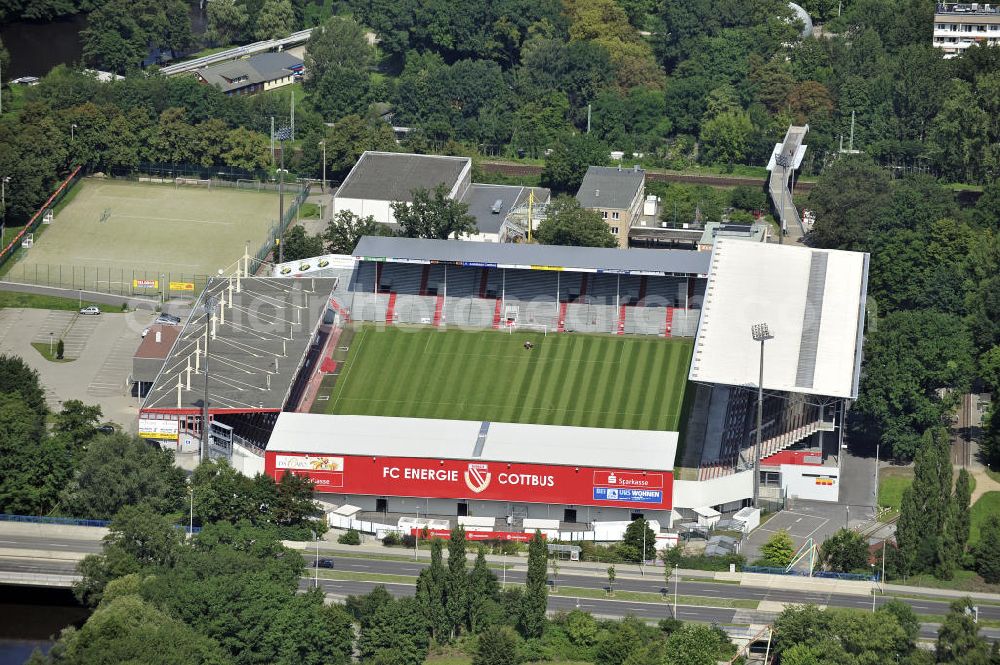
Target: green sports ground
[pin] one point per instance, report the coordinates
(566, 379)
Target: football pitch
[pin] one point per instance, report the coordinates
(116, 226)
(566, 379)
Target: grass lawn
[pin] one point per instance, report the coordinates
(32, 301)
(891, 484)
(649, 597)
(580, 380)
(988, 504)
(43, 349)
(964, 580)
(309, 211)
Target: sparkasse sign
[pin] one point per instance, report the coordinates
(487, 481)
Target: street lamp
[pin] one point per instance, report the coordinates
(323, 143)
(761, 334)
(281, 203)
(72, 132)
(316, 564)
(191, 514)
(676, 578)
(209, 306)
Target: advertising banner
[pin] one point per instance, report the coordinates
(164, 430)
(182, 286)
(444, 534)
(145, 283)
(486, 481)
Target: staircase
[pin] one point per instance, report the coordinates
(778, 443)
(643, 282)
(561, 323)
(438, 310)
(378, 277)
(670, 322)
(344, 314)
(496, 315)
(621, 321)
(390, 310)
(484, 282)
(424, 277)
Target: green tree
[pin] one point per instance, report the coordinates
(568, 223)
(727, 137)
(276, 19)
(299, 245)
(431, 593)
(566, 165)
(536, 592)
(245, 149)
(119, 470)
(959, 134)
(346, 229)
(397, 634)
(695, 644)
(227, 21)
(958, 638)
(339, 43)
(433, 215)
(346, 140)
(457, 585)
(987, 551)
(843, 200)
(779, 549)
(844, 551)
(962, 517)
(612, 575)
(638, 535)
(35, 464)
(497, 645)
(921, 531)
(17, 377)
(484, 592)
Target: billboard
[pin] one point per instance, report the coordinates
(145, 283)
(163, 430)
(486, 481)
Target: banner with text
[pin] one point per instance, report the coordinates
(487, 481)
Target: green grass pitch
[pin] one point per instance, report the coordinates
(567, 379)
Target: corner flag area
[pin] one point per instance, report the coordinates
(564, 379)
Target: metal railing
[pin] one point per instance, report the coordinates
(65, 521)
(768, 570)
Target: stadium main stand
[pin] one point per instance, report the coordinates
(565, 289)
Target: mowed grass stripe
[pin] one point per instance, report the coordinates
(586, 380)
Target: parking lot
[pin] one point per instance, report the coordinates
(101, 346)
(806, 519)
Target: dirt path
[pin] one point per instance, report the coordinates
(984, 483)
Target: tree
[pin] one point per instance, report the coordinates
(276, 19)
(612, 575)
(119, 470)
(536, 592)
(727, 136)
(962, 516)
(987, 551)
(299, 245)
(958, 637)
(17, 377)
(484, 592)
(345, 141)
(35, 464)
(120, 32)
(431, 593)
(566, 165)
(346, 229)
(845, 551)
(245, 149)
(695, 644)
(398, 630)
(339, 43)
(779, 549)
(227, 21)
(568, 223)
(926, 508)
(843, 199)
(497, 645)
(637, 536)
(433, 215)
(457, 586)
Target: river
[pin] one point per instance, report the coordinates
(35, 48)
(30, 617)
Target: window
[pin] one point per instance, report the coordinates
(382, 505)
(463, 509)
(614, 230)
(614, 215)
(635, 516)
(604, 214)
(569, 514)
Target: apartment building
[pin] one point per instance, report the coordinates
(958, 26)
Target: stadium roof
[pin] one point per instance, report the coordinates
(813, 302)
(533, 257)
(610, 187)
(392, 176)
(262, 334)
(471, 439)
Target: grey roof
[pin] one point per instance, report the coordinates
(525, 256)
(257, 349)
(481, 198)
(392, 176)
(258, 68)
(610, 187)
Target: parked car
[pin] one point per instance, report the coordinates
(93, 310)
(326, 563)
(167, 320)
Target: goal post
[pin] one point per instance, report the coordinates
(192, 182)
(245, 183)
(528, 327)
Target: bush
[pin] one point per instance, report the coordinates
(745, 197)
(498, 645)
(60, 350)
(778, 550)
(391, 539)
(675, 557)
(351, 537)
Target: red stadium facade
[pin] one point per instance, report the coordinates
(477, 479)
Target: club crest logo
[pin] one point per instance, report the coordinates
(477, 477)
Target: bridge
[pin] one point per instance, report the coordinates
(786, 157)
(299, 37)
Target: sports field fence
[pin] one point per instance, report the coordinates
(8, 252)
(125, 282)
(279, 229)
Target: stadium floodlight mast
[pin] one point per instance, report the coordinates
(760, 333)
(281, 202)
(323, 143)
(209, 305)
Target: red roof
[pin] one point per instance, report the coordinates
(150, 348)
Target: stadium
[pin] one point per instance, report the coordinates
(514, 387)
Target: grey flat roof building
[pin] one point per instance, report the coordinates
(259, 68)
(481, 199)
(540, 257)
(610, 187)
(392, 176)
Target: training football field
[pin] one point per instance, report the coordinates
(110, 228)
(566, 379)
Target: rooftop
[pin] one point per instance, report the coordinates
(967, 9)
(257, 68)
(715, 230)
(482, 200)
(263, 328)
(813, 302)
(534, 257)
(392, 176)
(610, 187)
(470, 439)
(150, 348)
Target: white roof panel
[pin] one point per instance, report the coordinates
(459, 439)
(813, 302)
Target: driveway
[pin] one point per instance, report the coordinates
(102, 346)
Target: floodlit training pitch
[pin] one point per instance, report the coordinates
(155, 228)
(566, 379)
